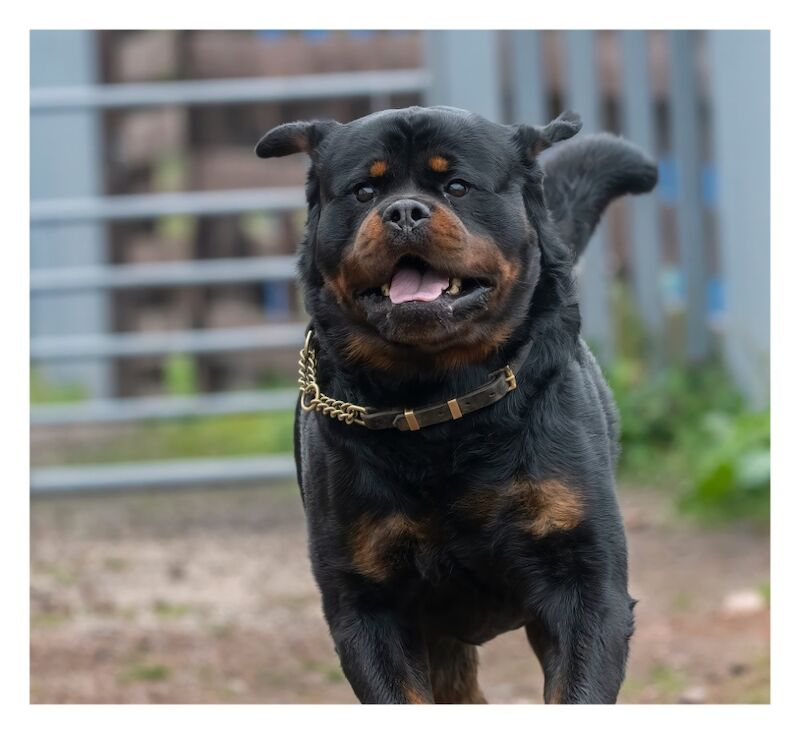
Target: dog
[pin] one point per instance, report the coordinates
(455, 439)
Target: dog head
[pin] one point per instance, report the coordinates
(427, 231)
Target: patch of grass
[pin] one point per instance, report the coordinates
(148, 672)
(334, 675)
(764, 590)
(166, 610)
(44, 391)
(330, 671)
(754, 687)
(632, 689)
(170, 171)
(271, 678)
(682, 601)
(180, 374)
(50, 620)
(668, 681)
(293, 602)
(64, 576)
(115, 565)
(211, 436)
(221, 631)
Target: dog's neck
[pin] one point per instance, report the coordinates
(547, 338)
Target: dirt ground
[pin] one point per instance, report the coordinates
(207, 597)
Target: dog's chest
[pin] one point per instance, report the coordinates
(466, 537)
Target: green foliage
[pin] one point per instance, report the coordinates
(170, 171)
(145, 672)
(180, 375)
(223, 435)
(687, 428)
(176, 227)
(45, 391)
(732, 474)
(659, 408)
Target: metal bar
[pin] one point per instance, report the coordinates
(150, 206)
(593, 269)
(230, 91)
(66, 160)
(142, 475)
(639, 126)
(190, 272)
(126, 410)
(168, 342)
(465, 69)
(527, 78)
(740, 92)
(686, 143)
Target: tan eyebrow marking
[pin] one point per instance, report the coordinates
(438, 163)
(378, 169)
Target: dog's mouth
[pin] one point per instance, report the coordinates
(414, 281)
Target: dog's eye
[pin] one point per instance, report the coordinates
(457, 188)
(364, 192)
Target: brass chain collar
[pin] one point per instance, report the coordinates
(500, 383)
(312, 399)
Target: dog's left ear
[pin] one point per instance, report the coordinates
(295, 137)
(534, 140)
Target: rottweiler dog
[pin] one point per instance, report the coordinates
(455, 439)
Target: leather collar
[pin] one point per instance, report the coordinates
(500, 383)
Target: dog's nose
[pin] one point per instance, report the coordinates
(406, 214)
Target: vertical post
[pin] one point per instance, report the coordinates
(686, 146)
(465, 71)
(740, 78)
(65, 162)
(593, 268)
(528, 100)
(638, 125)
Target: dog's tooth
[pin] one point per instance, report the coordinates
(455, 286)
(385, 289)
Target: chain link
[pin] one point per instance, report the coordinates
(312, 399)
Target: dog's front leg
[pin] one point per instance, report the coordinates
(382, 656)
(582, 644)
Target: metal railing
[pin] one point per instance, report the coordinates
(140, 475)
(464, 70)
(231, 91)
(125, 410)
(51, 212)
(192, 272)
(150, 206)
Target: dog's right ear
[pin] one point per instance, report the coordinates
(534, 140)
(295, 137)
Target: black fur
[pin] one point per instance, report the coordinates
(425, 544)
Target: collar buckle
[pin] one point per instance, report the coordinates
(511, 378)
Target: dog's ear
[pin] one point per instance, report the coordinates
(294, 137)
(582, 177)
(534, 140)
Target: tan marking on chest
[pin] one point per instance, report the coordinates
(480, 506)
(375, 544)
(547, 505)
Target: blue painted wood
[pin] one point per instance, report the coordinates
(582, 95)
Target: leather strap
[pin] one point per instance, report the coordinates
(501, 382)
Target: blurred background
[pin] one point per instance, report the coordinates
(168, 559)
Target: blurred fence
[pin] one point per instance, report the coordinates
(501, 75)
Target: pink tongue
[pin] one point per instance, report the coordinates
(409, 284)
